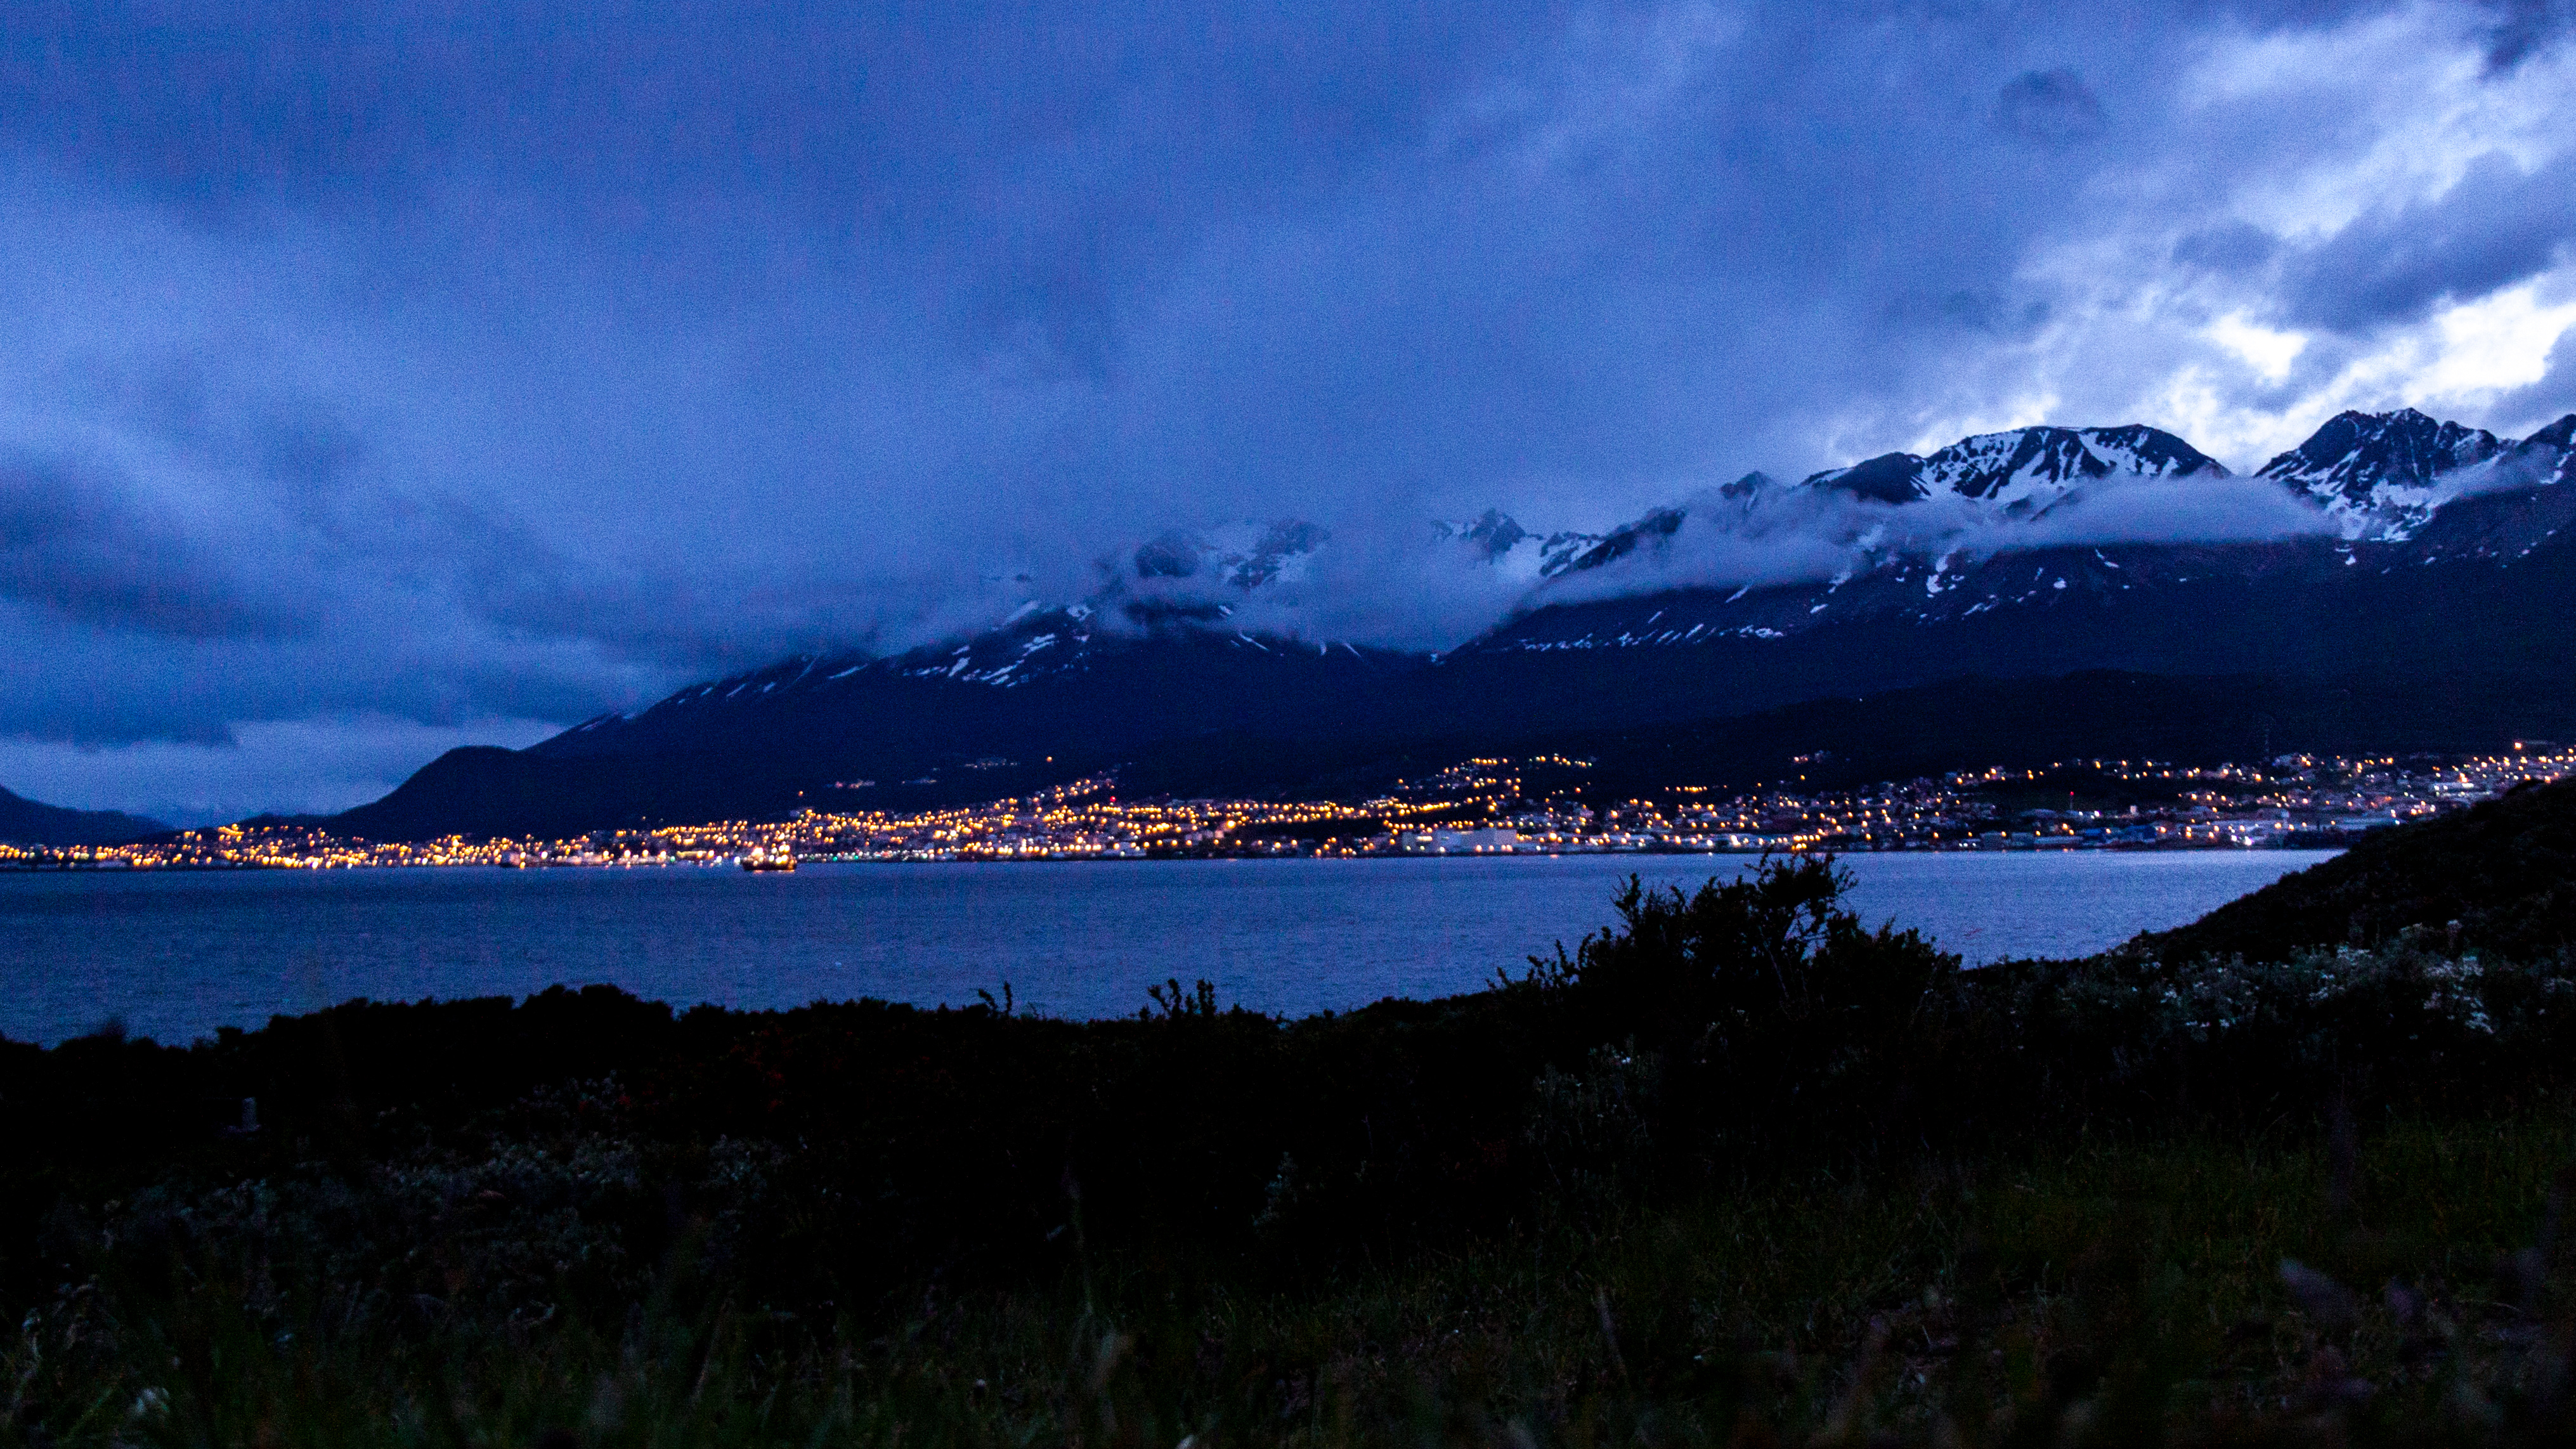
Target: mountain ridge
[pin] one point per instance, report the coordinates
(2025, 471)
(29, 822)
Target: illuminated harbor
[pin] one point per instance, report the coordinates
(1478, 807)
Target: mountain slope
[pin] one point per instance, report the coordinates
(1846, 741)
(2504, 870)
(25, 822)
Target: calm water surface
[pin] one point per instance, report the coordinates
(175, 954)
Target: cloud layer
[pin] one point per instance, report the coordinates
(412, 372)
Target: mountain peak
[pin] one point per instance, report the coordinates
(1489, 536)
(2356, 451)
(2375, 472)
(2026, 470)
(1887, 478)
(1658, 524)
(2023, 471)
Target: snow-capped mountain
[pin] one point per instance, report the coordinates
(2404, 508)
(2000, 478)
(1220, 579)
(1575, 553)
(2381, 475)
(1496, 538)
(2024, 472)
(2371, 478)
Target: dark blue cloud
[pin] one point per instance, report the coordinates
(2500, 225)
(487, 357)
(74, 544)
(2052, 107)
(2523, 28)
(2232, 248)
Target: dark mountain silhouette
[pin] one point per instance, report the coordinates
(25, 822)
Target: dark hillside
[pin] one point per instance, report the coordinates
(2505, 870)
(1896, 734)
(25, 822)
(2022, 723)
(485, 790)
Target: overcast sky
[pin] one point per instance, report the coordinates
(375, 378)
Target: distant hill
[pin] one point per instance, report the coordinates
(486, 790)
(24, 822)
(2505, 870)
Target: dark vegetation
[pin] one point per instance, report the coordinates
(1742, 1168)
(2505, 873)
(1331, 827)
(2084, 786)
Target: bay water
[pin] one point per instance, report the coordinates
(173, 955)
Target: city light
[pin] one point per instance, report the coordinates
(1481, 806)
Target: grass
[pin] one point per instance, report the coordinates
(2116, 1288)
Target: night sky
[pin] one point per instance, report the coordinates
(377, 378)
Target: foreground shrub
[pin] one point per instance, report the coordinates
(1748, 1025)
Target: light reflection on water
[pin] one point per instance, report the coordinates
(174, 955)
